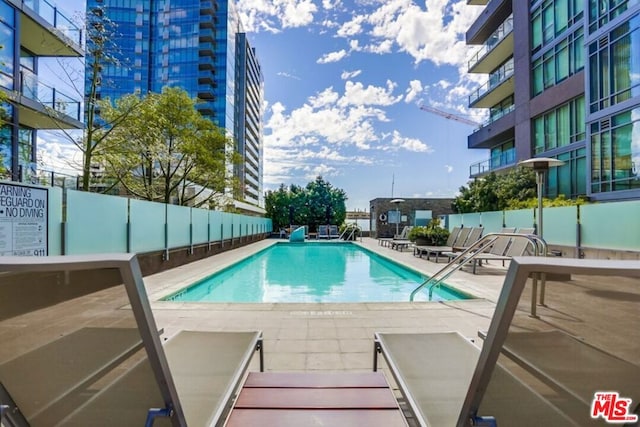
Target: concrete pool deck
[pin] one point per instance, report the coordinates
(324, 336)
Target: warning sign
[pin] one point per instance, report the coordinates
(23, 220)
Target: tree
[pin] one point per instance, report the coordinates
(316, 204)
(164, 150)
(495, 192)
(102, 51)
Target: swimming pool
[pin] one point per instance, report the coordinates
(311, 272)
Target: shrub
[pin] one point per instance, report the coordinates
(432, 234)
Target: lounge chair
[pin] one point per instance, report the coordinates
(323, 232)
(448, 380)
(386, 241)
(81, 347)
(333, 232)
(474, 235)
(424, 249)
(460, 239)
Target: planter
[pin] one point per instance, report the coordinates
(423, 241)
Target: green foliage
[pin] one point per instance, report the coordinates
(164, 150)
(316, 204)
(432, 234)
(495, 192)
(561, 200)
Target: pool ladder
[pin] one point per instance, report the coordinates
(350, 231)
(538, 245)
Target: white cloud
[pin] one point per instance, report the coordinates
(332, 130)
(273, 16)
(350, 74)
(332, 57)
(449, 168)
(290, 76)
(415, 89)
(57, 153)
(351, 28)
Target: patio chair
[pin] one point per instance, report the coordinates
(81, 347)
(448, 380)
(323, 232)
(424, 249)
(387, 241)
(460, 239)
(474, 235)
(333, 232)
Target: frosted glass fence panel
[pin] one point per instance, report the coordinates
(179, 220)
(200, 225)
(455, 221)
(471, 219)
(227, 221)
(238, 227)
(611, 225)
(215, 222)
(96, 223)
(55, 219)
(147, 221)
(559, 225)
(492, 222)
(522, 218)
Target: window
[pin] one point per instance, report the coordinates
(615, 66)
(559, 127)
(615, 153)
(558, 63)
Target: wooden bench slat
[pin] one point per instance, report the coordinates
(318, 417)
(316, 380)
(305, 398)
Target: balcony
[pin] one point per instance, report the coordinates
(506, 159)
(44, 107)
(493, 15)
(206, 49)
(477, 2)
(497, 48)
(47, 32)
(499, 86)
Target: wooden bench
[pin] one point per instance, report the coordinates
(316, 399)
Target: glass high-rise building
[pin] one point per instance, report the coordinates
(201, 47)
(563, 82)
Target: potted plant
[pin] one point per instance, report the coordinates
(431, 234)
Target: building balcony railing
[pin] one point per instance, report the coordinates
(505, 159)
(59, 21)
(503, 31)
(49, 96)
(495, 79)
(495, 116)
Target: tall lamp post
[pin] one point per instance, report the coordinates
(540, 166)
(397, 203)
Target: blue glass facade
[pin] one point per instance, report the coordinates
(189, 44)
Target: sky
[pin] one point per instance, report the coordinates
(343, 83)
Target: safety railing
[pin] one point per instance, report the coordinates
(350, 232)
(536, 243)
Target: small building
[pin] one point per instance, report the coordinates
(387, 217)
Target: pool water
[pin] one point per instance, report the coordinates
(311, 272)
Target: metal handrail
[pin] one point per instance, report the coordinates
(480, 246)
(353, 227)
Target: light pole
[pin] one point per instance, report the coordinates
(540, 166)
(397, 203)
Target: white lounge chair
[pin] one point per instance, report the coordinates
(81, 347)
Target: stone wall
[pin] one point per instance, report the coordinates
(379, 224)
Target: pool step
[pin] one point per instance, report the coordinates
(316, 399)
